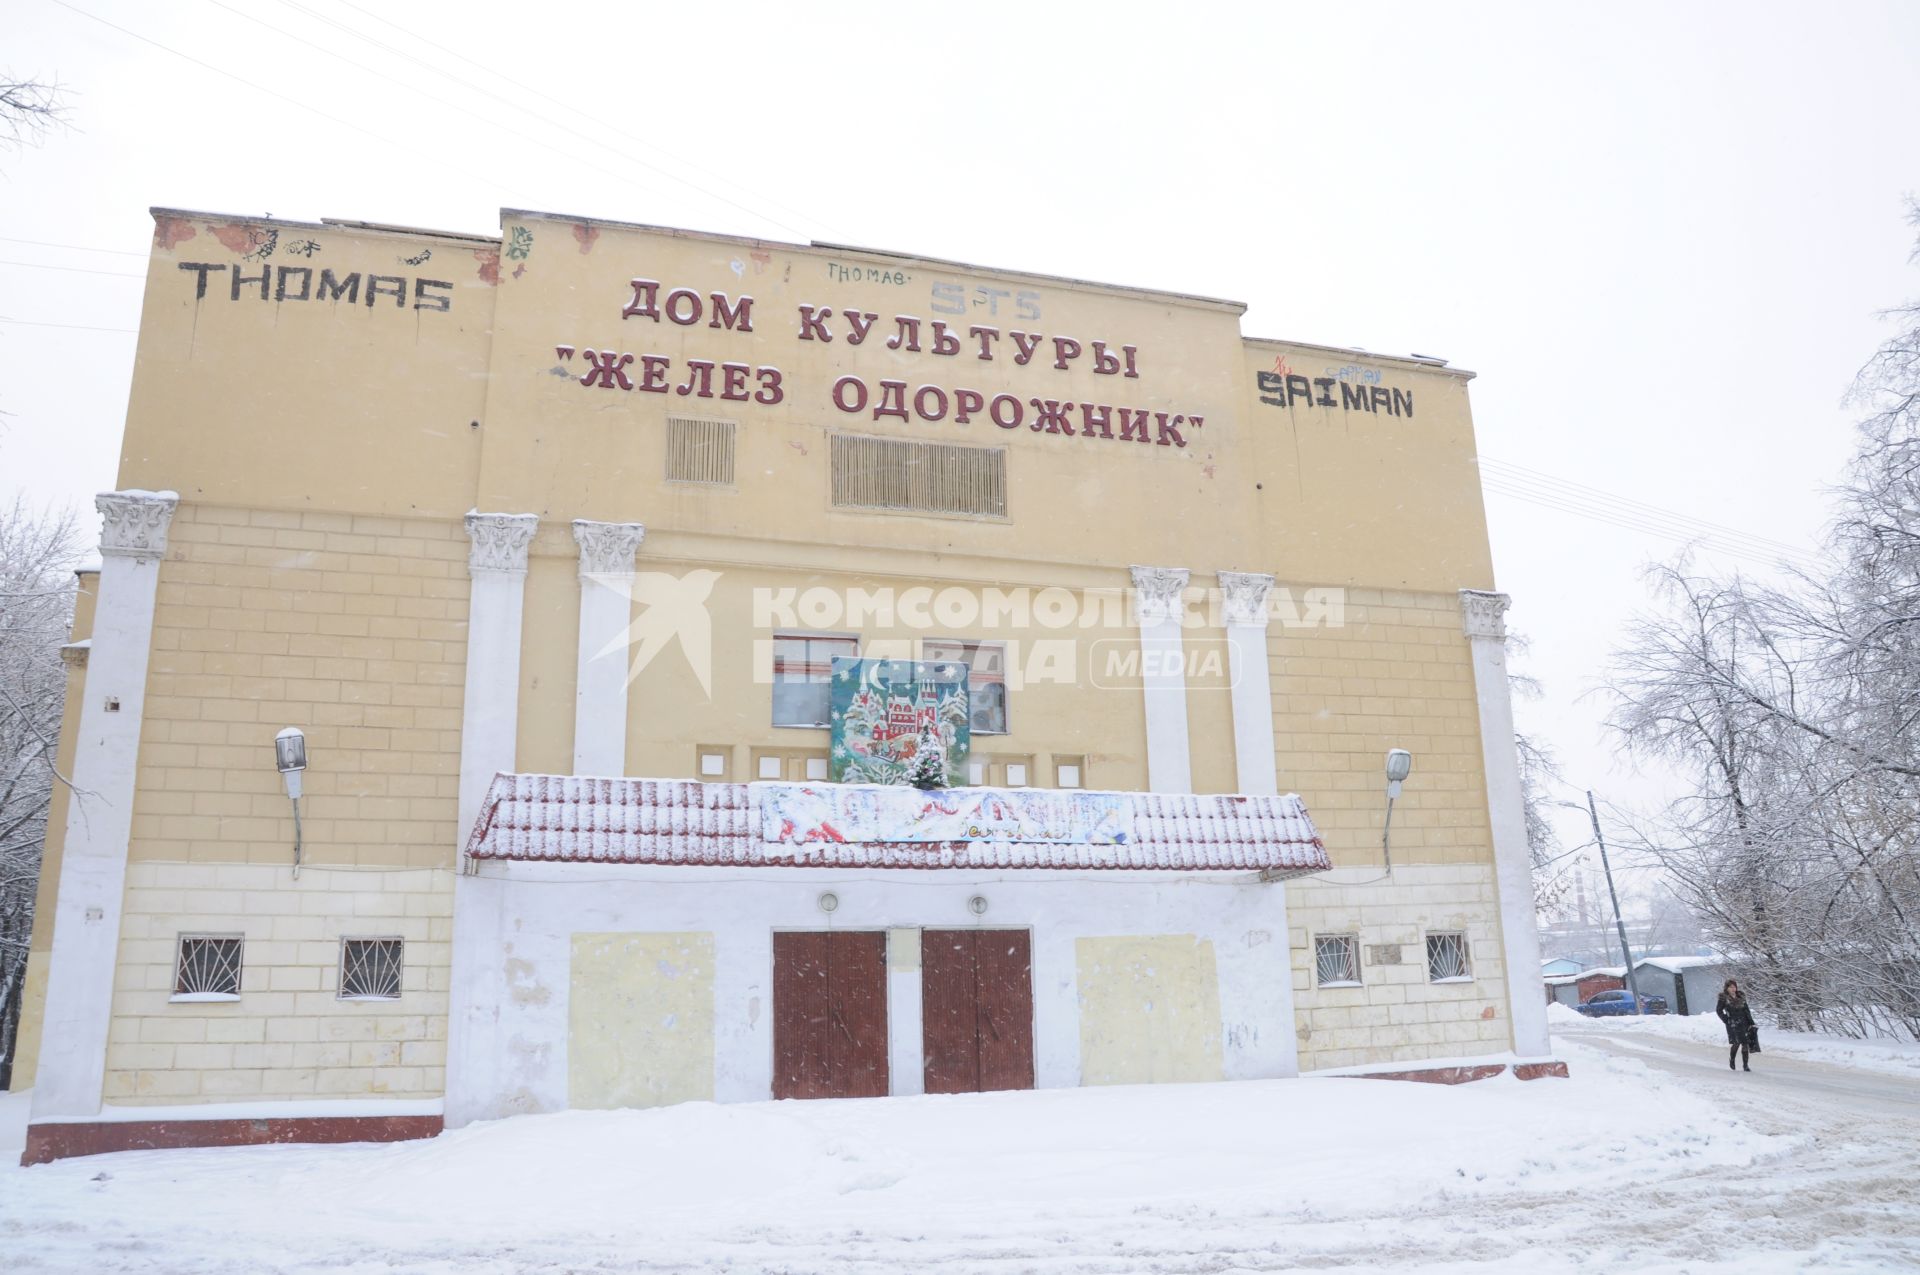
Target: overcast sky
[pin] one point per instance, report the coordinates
(1660, 233)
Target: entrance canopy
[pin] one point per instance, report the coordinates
(580, 819)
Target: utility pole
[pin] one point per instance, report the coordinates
(1633, 988)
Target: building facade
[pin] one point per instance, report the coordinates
(548, 543)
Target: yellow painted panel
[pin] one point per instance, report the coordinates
(640, 1020)
(33, 1011)
(1149, 1009)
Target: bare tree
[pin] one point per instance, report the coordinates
(37, 554)
(1553, 866)
(1789, 713)
(29, 110)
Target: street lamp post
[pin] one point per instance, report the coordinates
(1633, 987)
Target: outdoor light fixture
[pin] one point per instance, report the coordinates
(828, 901)
(977, 905)
(1399, 766)
(290, 756)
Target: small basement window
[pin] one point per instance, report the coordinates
(207, 967)
(370, 969)
(1336, 960)
(1447, 957)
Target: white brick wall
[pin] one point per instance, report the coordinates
(1396, 1014)
(289, 1035)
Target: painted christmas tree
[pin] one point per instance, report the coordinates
(928, 769)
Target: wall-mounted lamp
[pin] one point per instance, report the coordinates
(290, 757)
(1399, 766)
(977, 905)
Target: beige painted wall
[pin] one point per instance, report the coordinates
(1149, 1009)
(1397, 1012)
(640, 1020)
(1397, 674)
(325, 405)
(289, 1035)
(352, 628)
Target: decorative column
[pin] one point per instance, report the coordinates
(1244, 608)
(490, 720)
(1245, 599)
(93, 867)
(1163, 675)
(606, 611)
(1483, 618)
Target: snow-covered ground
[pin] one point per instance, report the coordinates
(1891, 1057)
(1260, 1176)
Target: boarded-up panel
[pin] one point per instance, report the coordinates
(1149, 1009)
(977, 1010)
(640, 1020)
(830, 1014)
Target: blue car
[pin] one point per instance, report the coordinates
(1619, 1001)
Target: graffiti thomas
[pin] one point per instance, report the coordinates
(298, 283)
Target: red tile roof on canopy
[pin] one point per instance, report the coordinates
(581, 819)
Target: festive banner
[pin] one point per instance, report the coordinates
(899, 722)
(801, 814)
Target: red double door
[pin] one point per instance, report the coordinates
(830, 1012)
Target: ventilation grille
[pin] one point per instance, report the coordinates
(700, 452)
(928, 478)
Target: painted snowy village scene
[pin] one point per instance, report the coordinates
(1003, 639)
(899, 722)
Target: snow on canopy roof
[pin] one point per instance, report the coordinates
(581, 819)
(1674, 964)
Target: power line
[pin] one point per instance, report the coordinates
(34, 265)
(41, 243)
(258, 88)
(599, 121)
(457, 109)
(1675, 528)
(1522, 474)
(78, 327)
(1627, 522)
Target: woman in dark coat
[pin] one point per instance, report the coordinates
(1733, 1011)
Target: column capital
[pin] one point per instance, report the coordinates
(133, 524)
(1156, 593)
(607, 548)
(1245, 596)
(499, 541)
(1483, 614)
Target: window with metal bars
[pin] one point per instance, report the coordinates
(370, 969)
(925, 478)
(207, 967)
(1447, 956)
(1336, 960)
(700, 452)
